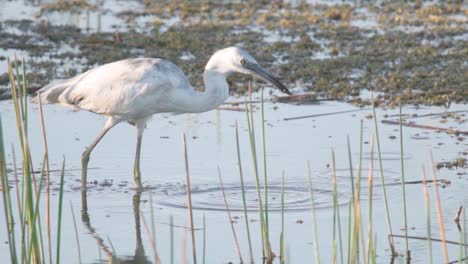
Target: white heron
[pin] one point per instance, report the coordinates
(132, 90)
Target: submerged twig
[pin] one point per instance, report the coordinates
(431, 239)
(326, 114)
(432, 114)
(414, 125)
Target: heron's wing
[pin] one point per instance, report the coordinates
(129, 87)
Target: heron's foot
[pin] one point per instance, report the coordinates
(84, 170)
(137, 176)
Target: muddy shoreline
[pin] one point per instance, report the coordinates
(411, 52)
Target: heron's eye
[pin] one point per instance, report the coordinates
(243, 61)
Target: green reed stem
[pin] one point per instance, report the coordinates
(314, 220)
(265, 176)
(189, 200)
(36, 210)
(9, 218)
(350, 231)
(244, 200)
(20, 211)
(282, 221)
(382, 178)
(46, 161)
(439, 210)
(465, 233)
(204, 240)
(21, 121)
(171, 238)
(250, 122)
(403, 186)
(428, 214)
(370, 190)
(25, 97)
(59, 221)
(336, 208)
(350, 218)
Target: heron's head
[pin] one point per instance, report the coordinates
(234, 59)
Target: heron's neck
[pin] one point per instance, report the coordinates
(216, 92)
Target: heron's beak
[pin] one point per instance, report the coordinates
(258, 71)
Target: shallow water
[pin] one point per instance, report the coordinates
(211, 143)
(114, 208)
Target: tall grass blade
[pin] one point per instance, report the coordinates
(370, 181)
(465, 233)
(59, 218)
(244, 200)
(265, 175)
(156, 258)
(336, 213)
(314, 221)
(350, 217)
(171, 238)
(382, 178)
(428, 214)
(282, 221)
(28, 176)
(204, 240)
(25, 98)
(46, 159)
(403, 186)
(9, 218)
(266, 249)
(20, 210)
(439, 211)
(189, 197)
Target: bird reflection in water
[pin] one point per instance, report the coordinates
(139, 256)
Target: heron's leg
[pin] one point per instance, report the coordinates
(140, 126)
(85, 156)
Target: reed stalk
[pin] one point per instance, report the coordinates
(244, 200)
(59, 220)
(7, 205)
(314, 220)
(382, 178)
(439, 210)
(336, 208)
(428, 213)
(171, 238)
(265, 175)
(403, 186)
(282, 221)
(204, 240)
(266, 248)
(370, 181)
(46, 159)
(152, 241)
(189, 198)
